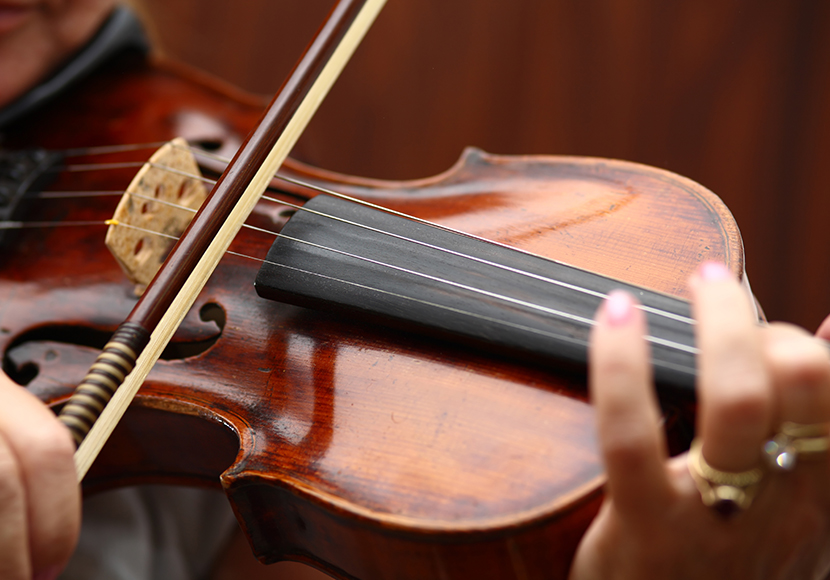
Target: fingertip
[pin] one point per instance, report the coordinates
(621, 389)
(710, 274)
(619, 308)
(617, 344)
(617, 348)
(714, 272)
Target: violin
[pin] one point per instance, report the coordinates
(368, 450)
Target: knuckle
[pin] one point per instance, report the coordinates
(746, 399)
(628, 444)
(812, 367)
(796, 356)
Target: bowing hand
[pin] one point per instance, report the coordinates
(39, 494)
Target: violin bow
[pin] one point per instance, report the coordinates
(99, 402)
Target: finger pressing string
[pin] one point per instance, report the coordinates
(734, 388)
(628, 419)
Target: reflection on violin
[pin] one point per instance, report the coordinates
(374, 453)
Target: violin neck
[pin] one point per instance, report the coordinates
(346, 257)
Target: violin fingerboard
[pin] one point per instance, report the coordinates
(348, 258)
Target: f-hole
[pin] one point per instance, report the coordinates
(26, 355)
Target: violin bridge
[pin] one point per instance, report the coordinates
(156, 208)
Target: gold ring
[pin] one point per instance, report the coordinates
(796, 440)
(726, 492)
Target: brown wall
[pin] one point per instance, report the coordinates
(732, 94)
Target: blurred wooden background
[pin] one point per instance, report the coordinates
(735, 95)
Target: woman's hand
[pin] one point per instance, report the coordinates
(39, 494)
(653, 524)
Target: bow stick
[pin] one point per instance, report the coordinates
(101, 399)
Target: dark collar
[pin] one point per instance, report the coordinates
(121, 31)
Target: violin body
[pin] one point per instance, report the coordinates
(366, 451)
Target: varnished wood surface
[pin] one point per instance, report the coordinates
(730, 94)
(378, 454)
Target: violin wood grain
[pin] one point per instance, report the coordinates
(367, 452)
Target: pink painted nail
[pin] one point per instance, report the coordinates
(619, 307)
(714, 271)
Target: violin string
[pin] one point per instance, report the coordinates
(114, 222)
(574, 287)
(362, 202)
(176, 171)
(658, 312)
(104, 149)
(504, 298)
(75, 194)
(476, 315)
(561, 283)
(551, 311)
(81, 167)
(320, 189)
(20, 225)
(505, 267)
(78, 167)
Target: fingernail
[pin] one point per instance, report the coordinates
(714, 271)
(619, 307)
(48, 574)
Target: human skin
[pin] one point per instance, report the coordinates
(39, 494)
(36, 36)
(653, 524)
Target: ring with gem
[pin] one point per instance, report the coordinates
(795, 440)
(725, 492)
